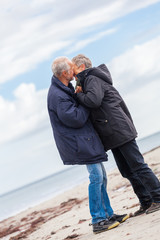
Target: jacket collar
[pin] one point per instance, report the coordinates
(82, 75)
(68, 89)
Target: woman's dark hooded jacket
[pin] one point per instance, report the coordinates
(75, 137)
(109, 113)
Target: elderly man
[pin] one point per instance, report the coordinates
(112, 120)
(78, 143)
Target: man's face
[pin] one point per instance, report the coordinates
(70, 73)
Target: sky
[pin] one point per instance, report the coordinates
(123, 34)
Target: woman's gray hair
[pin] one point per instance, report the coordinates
(82, 59)
(59, 65)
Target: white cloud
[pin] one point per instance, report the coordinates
(136, 75)
(35, 30)
(26, 114)
(144, 104)
(41, 3)
(83, 43)
(137, 66)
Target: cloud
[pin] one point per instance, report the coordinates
(35, 30)
(144, 104)
(83, 43)
(136, 75)
(137, 66)
(26, 114)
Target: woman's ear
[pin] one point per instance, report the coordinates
(83, 67)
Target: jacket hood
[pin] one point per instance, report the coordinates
(101, 72)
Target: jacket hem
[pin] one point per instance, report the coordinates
(120, 144)
(84, 162)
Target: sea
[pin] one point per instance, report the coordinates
(30, 195)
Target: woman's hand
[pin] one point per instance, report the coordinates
(78, 89)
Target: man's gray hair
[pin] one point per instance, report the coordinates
(59, 65)
(82, 59)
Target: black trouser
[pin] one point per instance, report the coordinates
(132, 166)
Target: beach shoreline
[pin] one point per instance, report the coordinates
(66, 216)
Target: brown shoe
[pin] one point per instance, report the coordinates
(153, 208)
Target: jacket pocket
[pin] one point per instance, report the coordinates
(67, 143)
(86, 146)
(103, 127)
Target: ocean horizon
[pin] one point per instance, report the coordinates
(36, 192)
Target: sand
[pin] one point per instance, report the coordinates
(67, 216)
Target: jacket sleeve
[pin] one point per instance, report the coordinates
(94, 93)
(72, 115)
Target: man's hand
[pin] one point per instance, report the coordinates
(78, 89)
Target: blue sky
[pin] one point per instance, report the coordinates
(123, 34)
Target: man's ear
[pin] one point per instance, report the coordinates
(64, 73)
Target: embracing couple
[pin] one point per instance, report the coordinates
(88, 121)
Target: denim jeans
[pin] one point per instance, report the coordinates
(132, 166)
(99, 203)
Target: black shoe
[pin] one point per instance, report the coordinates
(119, 218)
(142, 209)
(154, 207)
(104, 226)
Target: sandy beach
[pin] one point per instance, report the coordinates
(67, 216)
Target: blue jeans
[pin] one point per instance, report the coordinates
(99, 203)
(132, 166)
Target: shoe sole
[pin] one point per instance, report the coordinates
(116, 224)
(124, 219)
(154, 210)
(138, 214)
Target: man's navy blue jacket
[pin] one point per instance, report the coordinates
(75, 137)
